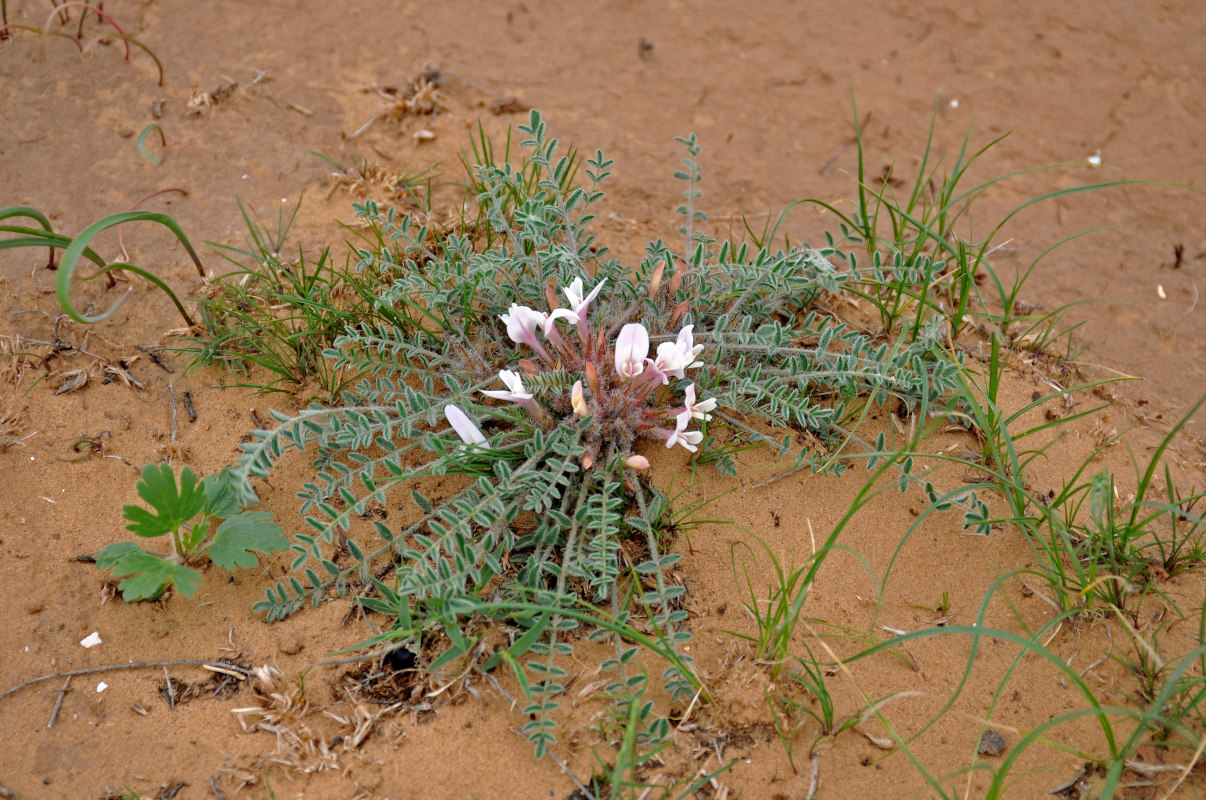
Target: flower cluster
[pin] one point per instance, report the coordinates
(625, 393)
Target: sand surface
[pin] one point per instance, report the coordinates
(251, 91)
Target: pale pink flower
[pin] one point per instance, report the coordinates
(637, 462)
(632, 345)
(669, 362)
(515, 393)
(701, 410)
(549, 327)
(680, 435)
(522, 323)
(463, 426)
(689, 350)
(579, 305)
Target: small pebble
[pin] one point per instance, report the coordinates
(991, 743)
(34, 608)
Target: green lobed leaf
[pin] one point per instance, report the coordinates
(173, 506)
(150, 574)
(236, 539)
(222, 494)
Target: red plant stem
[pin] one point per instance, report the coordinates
(94, 10)
(4, 29)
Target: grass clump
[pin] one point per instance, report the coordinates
(281, 314)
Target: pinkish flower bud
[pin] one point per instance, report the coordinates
(578, 401)
(655, 280)
(676, 316)
(637, 462)
(592, 379)
(676, 282)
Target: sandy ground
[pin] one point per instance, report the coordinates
(252, 90)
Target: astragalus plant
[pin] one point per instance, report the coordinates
(545, 373)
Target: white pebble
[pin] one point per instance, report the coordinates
(91, 640)
(1095, 159)
(1160, 291)
(102, 686)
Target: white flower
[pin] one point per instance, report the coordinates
(579, 305)
(686, 345)
(669, 361)
(573, 293)
(463, 426)
(632, 345)
(522, 323)
(515, 392)
(558, 313)
(701, 410)
(680, 435)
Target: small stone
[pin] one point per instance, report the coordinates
(991, 743)
(33, 608)
(290, 644)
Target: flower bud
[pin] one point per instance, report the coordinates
(587, 461)
(528, 367)
(592, 379)
(655, 280)
(677, 315)
(676, 282)
(578, 401)
(637, 462)
(551, 297)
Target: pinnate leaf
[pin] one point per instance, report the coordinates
(243, 533)
(173, 506)
(149, 574)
